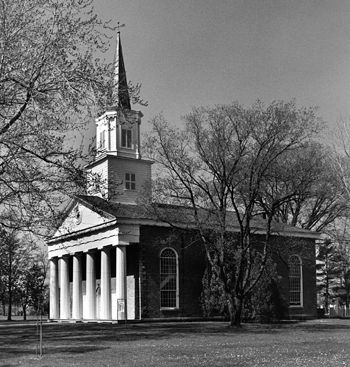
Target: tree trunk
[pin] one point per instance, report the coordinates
(326, 299)
(235, 308)
(9, 309)
(24, 308)
(9, 287)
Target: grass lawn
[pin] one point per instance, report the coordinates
(314, 343)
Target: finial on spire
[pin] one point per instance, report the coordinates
(120, 92)
(119, 26)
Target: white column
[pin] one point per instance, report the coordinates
(105, 284)
(64, 290)
(121, 281)
(90, 286)
(54, 298)
(77, 287)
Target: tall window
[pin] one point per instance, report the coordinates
(126, 138)
(295, 281)
(168, 279)
(130, 181)
(102, 139)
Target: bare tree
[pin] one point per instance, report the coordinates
(53, 79)
(219, 166)
(316, 192)
(31, 286)
(23, 273)
(15, 254)
(341, 156)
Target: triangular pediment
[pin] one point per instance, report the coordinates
(80, 217)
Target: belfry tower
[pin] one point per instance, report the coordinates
(118, 173)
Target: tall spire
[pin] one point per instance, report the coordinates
(120, 92)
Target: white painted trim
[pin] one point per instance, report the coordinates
(81, 232)
(156, 223)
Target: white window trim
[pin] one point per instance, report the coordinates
(301, 284)
(177, 280)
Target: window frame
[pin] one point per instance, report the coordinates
(127, 138)
(130, 183)
(177, 293)
(292, 276)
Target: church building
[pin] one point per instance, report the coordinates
(110, 259)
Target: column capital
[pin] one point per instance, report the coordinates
(122, 244)
(105, 248)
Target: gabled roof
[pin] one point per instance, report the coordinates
(165, 214)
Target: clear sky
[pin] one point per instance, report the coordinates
(201, 52)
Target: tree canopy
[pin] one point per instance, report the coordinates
(53, 79)
(23, 268)
(316, 192)
(223, 161)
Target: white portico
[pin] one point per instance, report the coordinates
(89, 278)
(85, 282)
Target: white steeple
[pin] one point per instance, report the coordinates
(118, 165)
(118, 129)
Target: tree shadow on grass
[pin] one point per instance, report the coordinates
(49, 350)
(99, 333)
(323, 327)
(21, 341)
(135, 332)
(73, 349)
(17, 341)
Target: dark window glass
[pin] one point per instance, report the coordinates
(102, 139)
(130, 181)
(295, 279)
(168, 279)
(126, 138)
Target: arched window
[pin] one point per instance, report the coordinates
(295, 281)
(169, 285)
